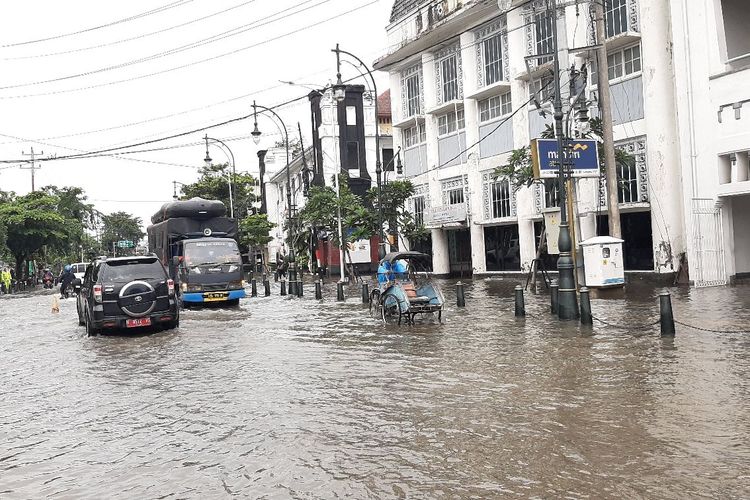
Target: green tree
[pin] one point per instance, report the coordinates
(394, 195)
(80, 216)
(255, 234)
(213, 185)
(32, 222)
(120, 226)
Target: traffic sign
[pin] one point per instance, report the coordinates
(583, 155)
(125, 244)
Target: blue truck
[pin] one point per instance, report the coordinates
(197, 243)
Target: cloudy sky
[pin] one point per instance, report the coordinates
(85, 75)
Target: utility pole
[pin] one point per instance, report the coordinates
(567, 300)
(605, 107)
(32, 167)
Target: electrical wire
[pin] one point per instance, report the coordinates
(124, 40)
(176, 50)
(201, 61)
(157, 10)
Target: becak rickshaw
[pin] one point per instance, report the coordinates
(405, 289)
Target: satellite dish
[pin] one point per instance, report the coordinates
(504, 5)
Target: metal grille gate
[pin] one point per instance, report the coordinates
(708, 242)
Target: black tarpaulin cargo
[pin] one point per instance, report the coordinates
(194, 208)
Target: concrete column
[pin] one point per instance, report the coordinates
(740, 168)
(440, 255)
(725, 169)
(663, 150)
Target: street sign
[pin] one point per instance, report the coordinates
(582, 153)
(125, 244)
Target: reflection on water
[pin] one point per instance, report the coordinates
(294, 398)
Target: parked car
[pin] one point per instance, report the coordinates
(126, 293)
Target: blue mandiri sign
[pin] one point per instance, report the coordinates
(583, 154)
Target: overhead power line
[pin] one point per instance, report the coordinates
(201, 61)
(176, 50)
(157, 10)
(130, 39)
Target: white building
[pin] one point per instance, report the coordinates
(462, 107)
(343, 139)
(711, 46)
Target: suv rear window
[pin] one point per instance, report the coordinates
(129, 270)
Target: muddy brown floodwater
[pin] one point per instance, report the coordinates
(292, 398)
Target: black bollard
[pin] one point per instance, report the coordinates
(520, 305)
(553, 289)
(318, 290)
(365, 293)
(253, 288)
(267, 287)
(340, 292)
(283, 287)
(586, 317)
(276, 277)
(460, 296)
(300, 288)
(665, 314)
(293, 288)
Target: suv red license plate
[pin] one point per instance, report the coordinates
(135, 323)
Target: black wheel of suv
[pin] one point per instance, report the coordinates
(90, 330)
(233, 303)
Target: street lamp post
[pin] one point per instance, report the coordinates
(256, 133)
(207, 159)
(339, 92)
(567, 300)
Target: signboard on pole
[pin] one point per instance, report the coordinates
(552, 229)
(125, 244)
(583, 155)
(435, 217)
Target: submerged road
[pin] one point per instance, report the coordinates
(291, 398)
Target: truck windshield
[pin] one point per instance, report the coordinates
(211, 252)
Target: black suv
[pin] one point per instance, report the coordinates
(127, 292)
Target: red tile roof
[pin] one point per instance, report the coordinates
(384, 104)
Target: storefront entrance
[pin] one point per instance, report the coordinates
(502, 251)
(636, 231)
(459, 252)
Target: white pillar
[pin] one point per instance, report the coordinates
(663, 150)
(440, 255)
(740, 169)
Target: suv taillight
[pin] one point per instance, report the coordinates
(170, 286)
(98, 293)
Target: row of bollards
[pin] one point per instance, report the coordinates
(666, 315)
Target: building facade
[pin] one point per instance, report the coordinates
(343, 141)
(471, 84)
(711, 44)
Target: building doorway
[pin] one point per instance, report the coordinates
(638, 248)
(502, 251)
(459, 252)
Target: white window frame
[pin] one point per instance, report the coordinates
(451, 122)
(452, 83)
(497, 40)
(497, 106)
(502, 207)
(414, 136)
(612, 65)
(419, 204)
(451, 196)
(542, 30)
(411, 79)
(616, 17)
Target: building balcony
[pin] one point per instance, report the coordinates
(494, 89)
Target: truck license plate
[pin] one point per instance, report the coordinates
(135, 323)
(215, 297)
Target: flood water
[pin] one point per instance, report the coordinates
(293, 398)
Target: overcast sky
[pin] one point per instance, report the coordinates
(71, 81)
